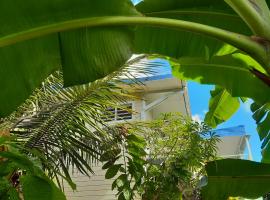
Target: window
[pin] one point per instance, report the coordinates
(117, 114)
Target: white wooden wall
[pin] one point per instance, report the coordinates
(96, 187)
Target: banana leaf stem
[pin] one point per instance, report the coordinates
(255, 13)
(242, 42)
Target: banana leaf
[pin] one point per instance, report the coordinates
(236, 178)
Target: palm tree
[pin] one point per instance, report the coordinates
(65, 127)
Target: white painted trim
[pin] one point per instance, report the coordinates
(158, 101)
(250, 157)
(143, 114)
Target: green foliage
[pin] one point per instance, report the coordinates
(230, 71)
(202, 59)
(83, 40)
(24, 177)
(159, 158)
(221, 107)
(262, 118)
(179, 148)
(177, 44)
(36, 187)
(65, 127)
(112, 171)
(127, 164)
(208, 61)
(231, 177)
(84, 54)
(78, 37)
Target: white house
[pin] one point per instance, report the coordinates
(159, 94)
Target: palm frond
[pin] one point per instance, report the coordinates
(65, 127)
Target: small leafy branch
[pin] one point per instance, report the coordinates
(162, 159)
(126, 163)
(174, 158)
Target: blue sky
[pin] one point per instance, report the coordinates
(199, 96)
(136, 1)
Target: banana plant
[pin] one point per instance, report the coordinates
(88, 40)
(233, 178)
(225, 43)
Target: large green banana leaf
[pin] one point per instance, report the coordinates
(200, 58)
(181, 43)
(206, 60)
(84, 55)
(262, 117)
(231, 72)
(232, 177)
(221, 107)
(41, 188)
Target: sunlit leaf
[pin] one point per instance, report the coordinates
(35, 187)
(232, 177)
(221, 107)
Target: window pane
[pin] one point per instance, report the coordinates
(124, 114)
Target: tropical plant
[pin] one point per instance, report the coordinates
(231, 177)
(161, 159)
(125, 162)
(178, 150)
(23, 178)
(173, 157)
(89, 40)
(65, 128)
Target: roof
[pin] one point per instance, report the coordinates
(155, 77)
(232, 131)
(149, 70)
(159, 77)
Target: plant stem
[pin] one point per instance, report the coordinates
(180, 196)
(240, 41)
(255, 13)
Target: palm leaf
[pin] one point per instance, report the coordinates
(65, 127)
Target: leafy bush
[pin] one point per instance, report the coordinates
(23, 178)
(162, 159)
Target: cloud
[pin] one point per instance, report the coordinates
(197, 118)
